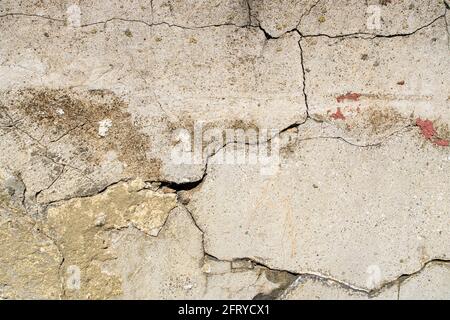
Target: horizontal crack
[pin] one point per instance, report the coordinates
(298, 275)
(371, 36)
(89, 195)
(326, 278)
(162, 23)
(359, 35)
(13, 14)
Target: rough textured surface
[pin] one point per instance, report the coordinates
(432, 283)
(29, 259)
(232, 149)
(324, 216)
(402, 17)
(372, 84)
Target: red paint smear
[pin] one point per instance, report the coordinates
(427, 128)
(338, 115)
(349, 96)
(428, 131)
(441, 142)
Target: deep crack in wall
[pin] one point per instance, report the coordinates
(349, 100)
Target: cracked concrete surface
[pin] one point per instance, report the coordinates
(304, 217)
(355, 95)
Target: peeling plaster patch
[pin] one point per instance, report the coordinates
(82, 229)
(175, 266)
(162, 267)
(29, 260)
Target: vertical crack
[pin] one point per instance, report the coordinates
(302, 61)
(447, 7)
(307, 13)
(249, 12)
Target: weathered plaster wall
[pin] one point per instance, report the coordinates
(102, 102)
